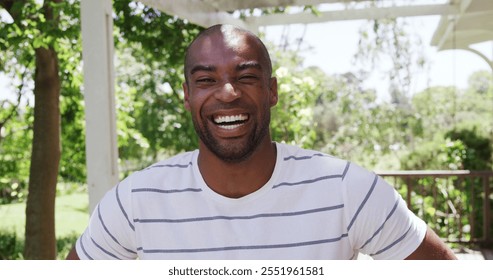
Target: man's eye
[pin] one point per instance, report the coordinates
(248, 78)
(205, 80)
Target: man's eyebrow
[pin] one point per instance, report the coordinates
(208, 68)
(249, 64)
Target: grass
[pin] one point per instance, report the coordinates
(71, 215)
(71, 218)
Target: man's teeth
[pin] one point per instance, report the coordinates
(230, 122)
(230, 126)
(230, 119)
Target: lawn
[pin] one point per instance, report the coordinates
(71, 215)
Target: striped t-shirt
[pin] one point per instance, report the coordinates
(313, 207)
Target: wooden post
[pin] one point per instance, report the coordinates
(99, 97)
(487, 210)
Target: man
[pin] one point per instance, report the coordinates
(242, 196)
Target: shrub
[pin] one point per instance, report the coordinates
(12, 246)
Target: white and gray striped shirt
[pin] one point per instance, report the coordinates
(313, 207)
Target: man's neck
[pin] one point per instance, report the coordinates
(236, 180)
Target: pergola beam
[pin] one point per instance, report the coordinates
(464, 32)
(372, 13)
(451, 24)
(228, 5)
(197, 12)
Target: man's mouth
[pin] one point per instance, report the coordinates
(230, 122)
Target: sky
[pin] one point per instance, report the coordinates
(335, 43)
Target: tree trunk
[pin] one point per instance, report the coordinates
(40, 210)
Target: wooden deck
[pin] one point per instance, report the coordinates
(468, 254)
(463, 254)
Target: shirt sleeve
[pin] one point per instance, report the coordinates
(111, 232)
(379, 223)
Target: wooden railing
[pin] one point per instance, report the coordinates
(456, 204)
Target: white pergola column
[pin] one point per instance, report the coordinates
(101, 140)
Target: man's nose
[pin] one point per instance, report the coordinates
(227, 93)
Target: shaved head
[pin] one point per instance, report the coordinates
(231, 36)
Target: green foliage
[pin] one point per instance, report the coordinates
(19, 40)
(292, 118)
(152, 121)
(162, 37)
(452, 206)
(477, 149)
(439, 201)
(64, 245)
(351, 123)
(15, 143)
(12, 246)
(460, 149)
(438, 107)
(437, 154)
(453, 116)
(481, 83)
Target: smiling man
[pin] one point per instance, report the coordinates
(229, 92)
(243, 196)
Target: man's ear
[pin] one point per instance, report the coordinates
(186, 96)
(273, 91)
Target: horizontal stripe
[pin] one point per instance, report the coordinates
(169, 165)
(307, 181)
(166, 191)
(229, 218)
(305, 157)
(251, 247)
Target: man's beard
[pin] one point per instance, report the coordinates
(238, 151)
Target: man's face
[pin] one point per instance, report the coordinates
(229, 94)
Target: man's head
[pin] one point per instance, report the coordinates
(229, 91)
(232, 32)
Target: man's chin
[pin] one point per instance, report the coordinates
(229, 155)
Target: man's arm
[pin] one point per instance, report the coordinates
(432, 248)
(73, 255)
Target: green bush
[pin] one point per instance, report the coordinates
(12, 246)
(478, 148)
(64, 245)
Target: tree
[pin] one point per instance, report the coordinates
(481, 82)
(298, 89)
(150, 47)
(453, 115)
(35, 38)
(393, 39)
(15, 132)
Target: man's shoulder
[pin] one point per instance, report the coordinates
(171, 166)
(180, 160)
(297, 154)
(313, 159)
